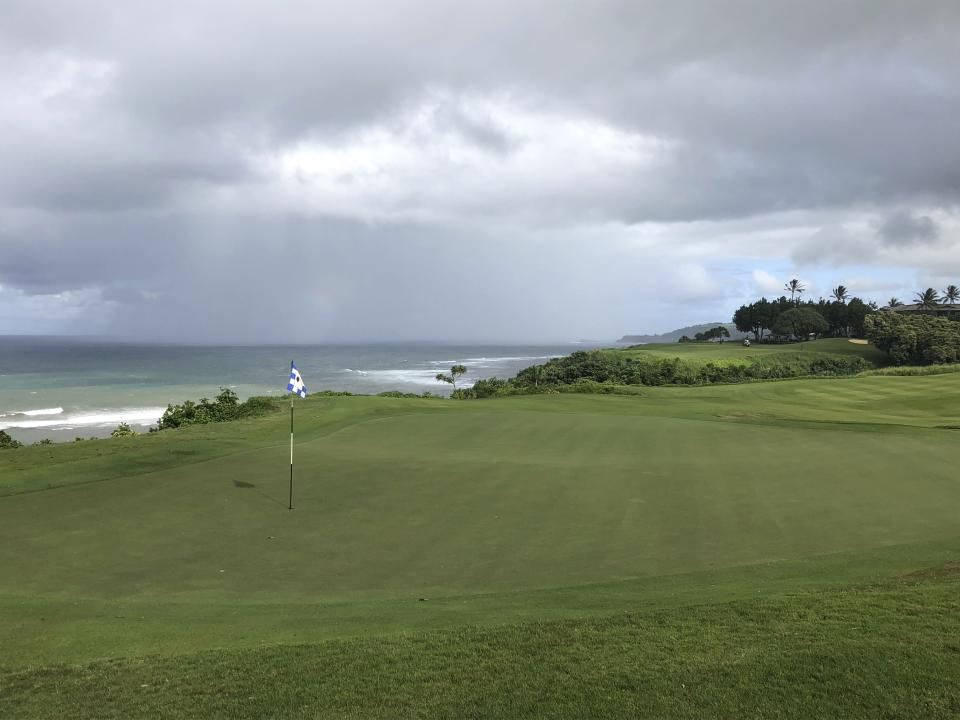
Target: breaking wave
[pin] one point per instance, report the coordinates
(80, 418)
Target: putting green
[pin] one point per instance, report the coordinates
(489, 510)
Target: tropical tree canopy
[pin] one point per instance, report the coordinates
(794, 287)
(928, 298)
(800, 322)
(914, 338)
(840, 293)
(951, 294)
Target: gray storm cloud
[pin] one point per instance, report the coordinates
(492, 170)
(903, 228)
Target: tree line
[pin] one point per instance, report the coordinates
(930, 299)
(716, 333)
(915, 339)
(840, 316)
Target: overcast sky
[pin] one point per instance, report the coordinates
(518, 171)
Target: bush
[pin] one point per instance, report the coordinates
(489, 387)
(611, 367)
(227, 406)
(590, 387)
(7, 442)
(123, 430)
(916, 370)
(915, 339)
(256, 406)
(398, 394)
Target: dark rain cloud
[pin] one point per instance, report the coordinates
(905, 228)
(133, 138)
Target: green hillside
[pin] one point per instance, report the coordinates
(671, 553)
(735, 351)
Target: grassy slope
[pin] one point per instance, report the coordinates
(736, 352)
(529, 508)
(888, 651)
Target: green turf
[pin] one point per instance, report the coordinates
(889, 651)
(735, 351)
(432, 515)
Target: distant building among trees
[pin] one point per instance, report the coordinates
(951, 311)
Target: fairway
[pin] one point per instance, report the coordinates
(433, 514)
(733, 351)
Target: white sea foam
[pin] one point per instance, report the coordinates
(486, 362)
(100, 418)
(426, 376)
(42, 411)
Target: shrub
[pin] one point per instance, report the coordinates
(591, 387)
(611, 367)
(915, 370)
(257, 405)
(227, 406)
(7, 442)
(398, 394)
(915, 339)
(489, 387)
(123, 430)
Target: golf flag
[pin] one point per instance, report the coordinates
(296, 386)
(296, 382)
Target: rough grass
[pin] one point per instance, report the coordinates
(915, 370)
(889, 651)
(721, 520)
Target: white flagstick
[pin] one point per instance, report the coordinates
(291, 453)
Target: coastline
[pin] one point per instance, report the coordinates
(69, 389)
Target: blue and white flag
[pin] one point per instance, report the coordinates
(296, 382)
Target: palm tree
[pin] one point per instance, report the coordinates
(951, 294)
(840, 293)
(928, 299)
(893, 302)
(794, 287)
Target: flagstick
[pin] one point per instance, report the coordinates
(291, 453)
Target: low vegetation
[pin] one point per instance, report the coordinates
(605, 371)
(226, 406)
(7, 442)
(122, 430)
(915, 339)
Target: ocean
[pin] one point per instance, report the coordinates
(62, 388)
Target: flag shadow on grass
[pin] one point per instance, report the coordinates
(251, 486)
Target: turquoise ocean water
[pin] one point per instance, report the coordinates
(63, 388)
